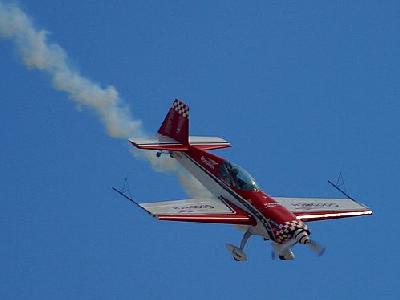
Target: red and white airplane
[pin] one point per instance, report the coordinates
(237, 199)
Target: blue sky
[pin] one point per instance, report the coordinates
(301, 90)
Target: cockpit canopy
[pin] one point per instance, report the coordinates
(237, 177)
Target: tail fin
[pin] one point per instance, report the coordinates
(176, 123)
(174, 133)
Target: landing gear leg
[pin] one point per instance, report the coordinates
(238, 253)
(245, 238)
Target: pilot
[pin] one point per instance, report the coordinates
(237, 182)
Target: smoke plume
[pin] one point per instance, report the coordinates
(36, 52)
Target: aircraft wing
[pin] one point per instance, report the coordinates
(198, 210)
(315, 209)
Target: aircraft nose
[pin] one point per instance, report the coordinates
(301, 235)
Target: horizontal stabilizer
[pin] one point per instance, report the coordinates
(208, 142)
(158, 143)
(166, 143)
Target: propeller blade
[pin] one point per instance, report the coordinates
(274, 250)
(281, 249)
(316, 248)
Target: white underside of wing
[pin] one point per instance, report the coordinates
(319, 204)
(188, 207)
(314, 209)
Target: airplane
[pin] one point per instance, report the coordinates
(236, 197)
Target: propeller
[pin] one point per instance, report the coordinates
(315, 247)
(285, 247)
(273, 256)
(279, 249)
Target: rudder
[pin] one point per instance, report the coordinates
(176, 123)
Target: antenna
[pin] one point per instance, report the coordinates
(340, 186)
(340, 183)
(124, 192)
(340, 190)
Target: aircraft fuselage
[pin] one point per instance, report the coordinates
(271, 220)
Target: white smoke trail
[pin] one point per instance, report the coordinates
(38, 53)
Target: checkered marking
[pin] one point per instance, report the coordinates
(285, 231)
(181, 108)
